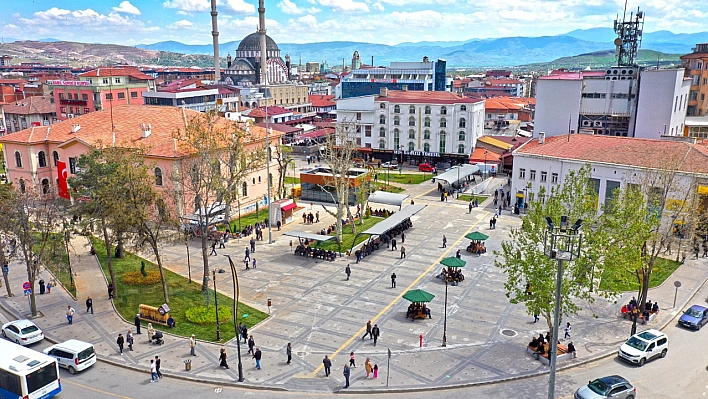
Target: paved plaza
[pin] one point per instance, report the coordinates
(322, 313)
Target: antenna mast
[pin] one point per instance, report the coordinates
(629, 37)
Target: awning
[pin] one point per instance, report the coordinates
(394, 220)
(519, 195)
(288, 207)
(382, 197)
(309, 236)
(458, 173)
(315, 134)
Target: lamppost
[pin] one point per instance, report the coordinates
(234, 279)
(458, 178)
(189, 266)
(216, 305)
(445, 318)
(485, 164)
(561, 243)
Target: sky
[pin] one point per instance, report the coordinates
(131, 22)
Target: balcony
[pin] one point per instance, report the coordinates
(72, 102)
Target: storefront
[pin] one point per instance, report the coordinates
(414, 158)
(283, 210)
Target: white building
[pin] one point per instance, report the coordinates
(196, 99)
(615, 102)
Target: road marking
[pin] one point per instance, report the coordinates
(400, 295)
(97, 390)
(217, 390)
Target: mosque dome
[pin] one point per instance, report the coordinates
(252, 42)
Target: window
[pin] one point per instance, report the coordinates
(426, 123)
(544, 177)
(443, 110)
(109, 96)
(105, 81)
(382, 119)
(42, 159)
(367, 131)
(532, 175)
(461, 149)
(411, 121)
(11, 383)
(522, 173)
(259, 179)
(554, 178)
(358, 116)
(382, 106)
(382, 132)
(121, 96)
(158, 176)
(461, 136)
(442, 142)
(411, 146)
(463, 108)
(72, 166)
(45, 186)
(411, 133)
(426, 147)
(18, 159)
(86, 110)
(117, 80)
(382, 144)
(22, 186)
(55, 155)
(133, 94)
(61, 96)
(397, 109)
(396, 121)
(396, 139)
(70, 96)
(489, 116)
(411, 109)
(463, 122)
(84, 97)
(443, 122)
(427, 109)
(426, 134)
(253, 181)
(244, 189)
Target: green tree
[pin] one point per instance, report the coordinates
(8, 196)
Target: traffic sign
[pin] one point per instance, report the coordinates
(26, 285)
(28, 292)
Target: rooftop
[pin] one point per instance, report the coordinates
(131, 71)
(425, 97)
(31, 105)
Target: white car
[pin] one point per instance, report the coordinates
(644, 346)
(22, 332)
(73, 355)
(389, 165)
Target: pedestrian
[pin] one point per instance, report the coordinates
(110, 290)
(278, 224)
(403, 237)
(444, 241)
(375, 332)
(567, 330)
(257, 356)
(247, 258)
(221, 242)
(157, 366)
(393, 275)
(193, 344)
(476, 202)
(317, 217)
(348, 271)
(535, 317)
(458, 254)
(253, 245)
(352, 362)
(222, 359)
(346, 373)
(153, 372)
(244, 333)
(120, 341)
(491, 223)
(213, 248)
(393, 244)
(89, 305)
(251, 344)
(368, 367)
(403, 252)
(327, 365)
(70, 314)
(368, 330)
(376, 371)
(137, 323)
(289, 352)
(500, 209)
(254, 263)
(304, 218)
(41, 286)
(571, 350)
(151, 332)
(129, 339)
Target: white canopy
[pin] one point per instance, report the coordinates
(460, 172)
(382, 197)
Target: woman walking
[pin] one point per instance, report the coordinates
(367, 366)
(222, 359)
(351, 360)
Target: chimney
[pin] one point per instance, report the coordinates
(75, 128)
(147, 130)
(404, 87)
(383, 92)
(541, 137)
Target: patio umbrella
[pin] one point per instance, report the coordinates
(418, 296)
(453, 262)
(476, 236)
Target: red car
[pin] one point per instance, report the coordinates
(426, 167)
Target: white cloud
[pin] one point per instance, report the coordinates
(232, 6)
(188, 5)
(345, 5)
(290, 8)
(378, 7)
(182, 24)
(127, 8)
(240, 7)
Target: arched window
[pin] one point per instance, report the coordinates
(22, 186)
(426, 122)
(443, 110)
(463, 108)
(411, 121)
(396, 139)
(411, 146)
(427, 109)
(443, 122)
(442, 142)
(426, 134)
(45, 186)
(411, 109)
(259, 179)
(382, 144)
(396, 121)
(463, 122)
(42, 159)
(254, 181)
(55, 155)
(18, 159)
(426, 147)
(382, 105)
(244, 189)
(382, 119)
(411, 133)
(397, 109)
(382, 131)
(461, 149)
(158, 176)
(461, 136)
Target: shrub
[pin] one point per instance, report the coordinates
(137, 278)
(202, 315)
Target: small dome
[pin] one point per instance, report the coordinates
(252, 42)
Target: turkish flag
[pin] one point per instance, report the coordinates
(63, 185)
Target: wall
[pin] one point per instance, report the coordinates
(557, 104)
(663, 100)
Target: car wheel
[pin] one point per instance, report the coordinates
(72, 370)
(663, 353)
(3, 334)
(698, 327)
(630, 397)
(642, 361)
(17, 341)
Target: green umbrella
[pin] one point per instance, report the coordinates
(476, 236)
(453, 262)
(418, 296)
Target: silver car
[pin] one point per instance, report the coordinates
(22, 332)
(612, 386)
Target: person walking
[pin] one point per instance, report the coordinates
(567, 330)
(254, 263)
(376, 371)
(393, 244)
(368, 367)
(368, 330)
(213, 248)
(153, 372)
(247, 258)
(244, 333)
(393, 277)
(110, 291)
(327, 365)
(257, 356)
(129, 339)
(471, 206)
(89, 305)
(193, 344)
(375, 332)
(120, 341)
(289, 352)
(348, 271)
(444, 241)
(317, 217)
(151, 332)
(403, 251)
(346, 373)
(70, 314)
(403, 237)
(253, 245)
(157, 366)
(458, 254)
(352, 361)
(251, 344)
(221, 242)
(278, 224)
(49, 284)
(41, 286)
(222, 359)
(137, 323)
(535, 317)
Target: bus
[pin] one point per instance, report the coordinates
(26, 373)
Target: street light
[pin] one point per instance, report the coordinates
(234, 279)
(485, 164)
(189, 266)
(445, 317)
(561, 243)
(216, 305)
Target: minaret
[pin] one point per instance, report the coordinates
(264, 49)
(215, 36)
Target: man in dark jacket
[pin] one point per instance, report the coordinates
(346, 374)
(375, 332)
(251, 345)
(327, 365)
(289, 351)
(120, 341)
(257, 356)
(368, 330)
(137, 323)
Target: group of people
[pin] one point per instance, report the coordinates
(389, 238)
(493, 222)
(632, 309)
(316, 253)
(309, 218)
(415, 309)
(452, 275)
(541, 345)
(477, 248)
(382, 213)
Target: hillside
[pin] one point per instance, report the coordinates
(603, 59)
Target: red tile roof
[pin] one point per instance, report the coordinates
(260, 112)
(633, 152)
(131, 71)
(280, 127)
(479, 156)
(321, 100)
(501, 81)
(12, 81)
(425, 97)
(31, 105)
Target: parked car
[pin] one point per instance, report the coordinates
(644, 346)
(612, 386)
(694, 317)
(73, 355)
(389, 165)
(426, 167)
(22, 332)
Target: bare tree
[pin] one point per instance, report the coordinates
(8, 196)
(283, 158)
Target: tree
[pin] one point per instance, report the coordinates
(530, 272)
(283, 158)
(8, 196)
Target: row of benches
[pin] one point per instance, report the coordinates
(544, 358)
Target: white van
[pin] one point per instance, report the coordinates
(73, 355)
(644, 346)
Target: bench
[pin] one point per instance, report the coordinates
(640, 317)
(561, 354)
(152, 314)
(420, 315)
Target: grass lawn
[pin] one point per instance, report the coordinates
(467, 198)
(250, 218)
(292, 180)
(663, 268)
(348, 237)
(55, 259)
(183, 295)
(403, 178)
(382, 186)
